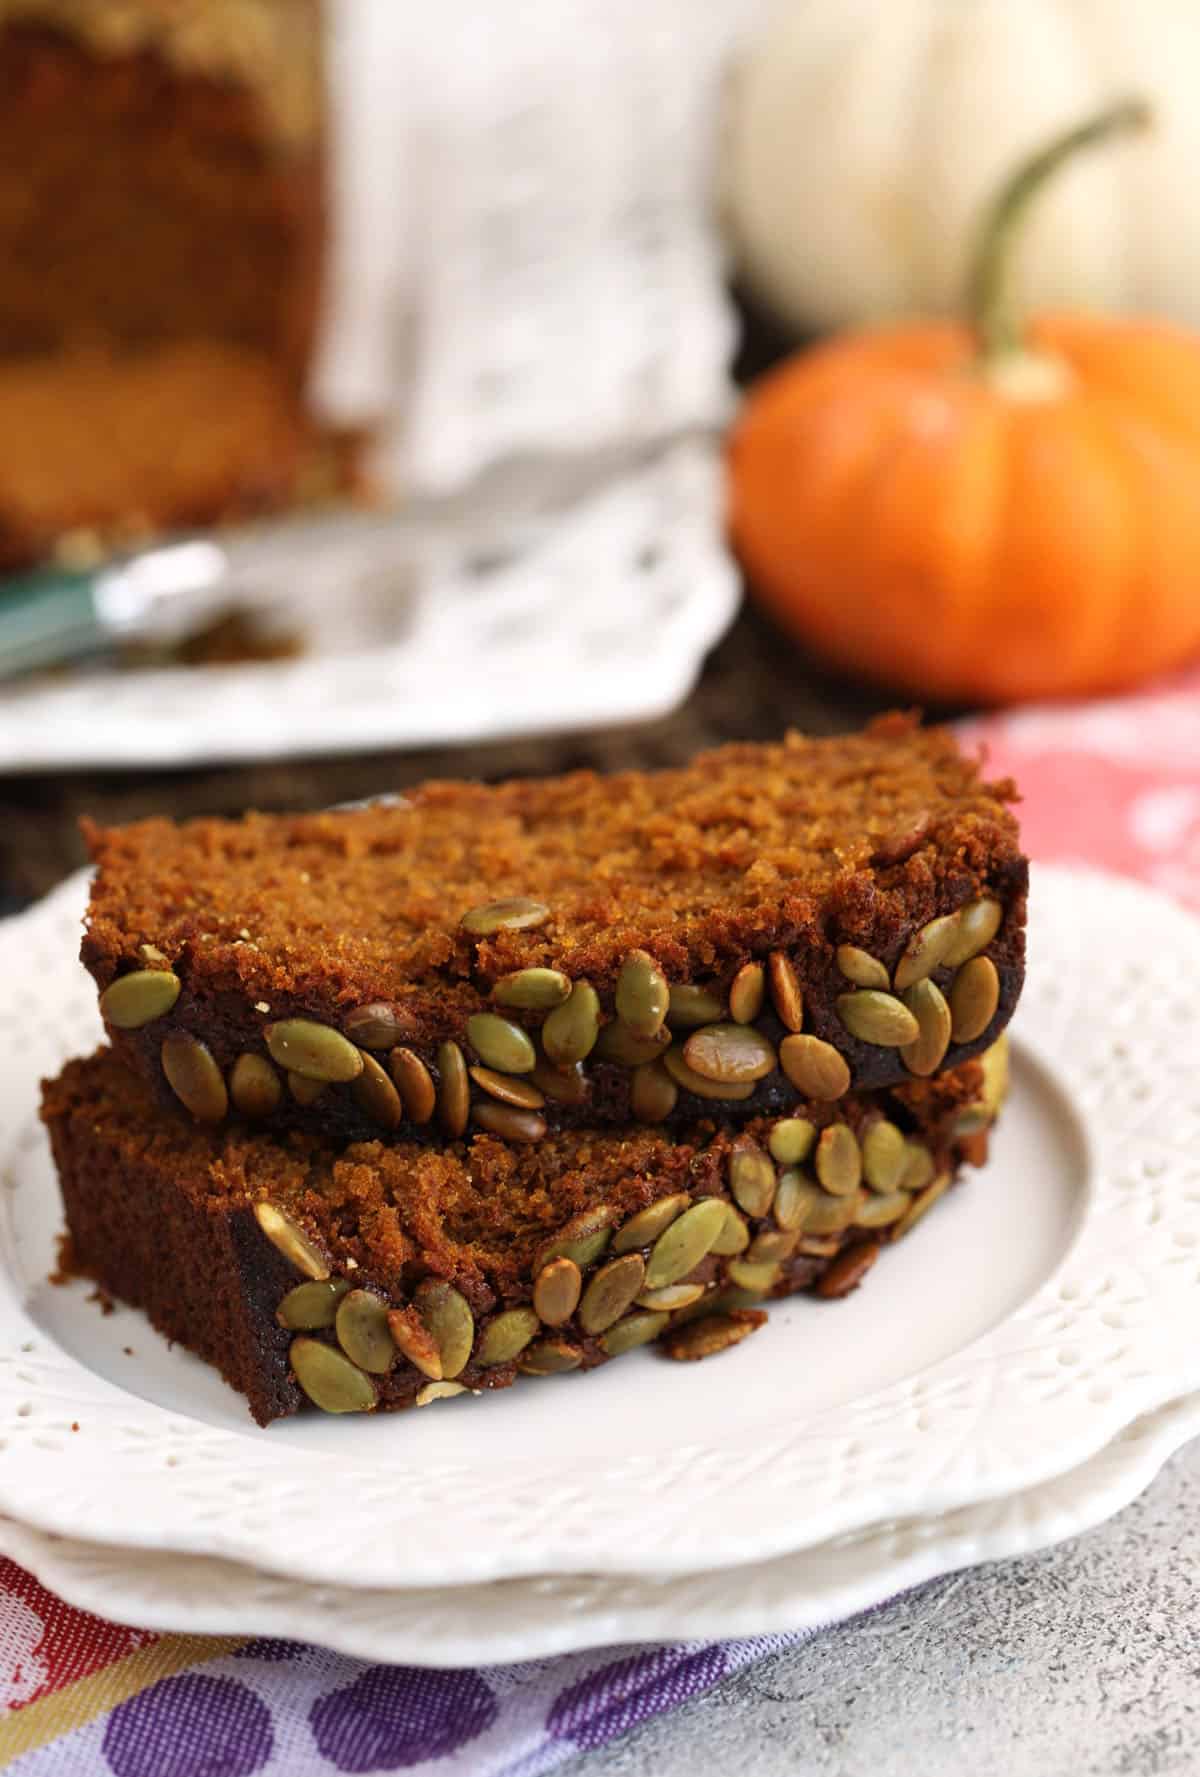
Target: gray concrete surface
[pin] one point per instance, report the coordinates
(1083, 1661)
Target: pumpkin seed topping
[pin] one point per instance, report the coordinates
(565, 1085)
(310, 1306)
(794, 1197)
(520, 1093)
(880, 1211)
(500, 1043)
(644, 1228)
(791, 1140)
(706, 1338)
(688, 1240)
(569, 1033)
(819, 1246)
(414, 1341)
(506, 1337)
(861, 967)
(751, 1177)
(375, 1095)
(760, 1277)
(978, 924)
(449, 1322)
(922, 1202)
(785, 991)
(618, 1044)
(329, 1379)
(653, 1094)
(583, 1239)
(839, 1160)
(509, 1123)
(377, 1026)
(823, 1214)
(687, 1077)
(454, 1090)
(532, 990)
(691, 1006)
(150, 953)
(304, 1090)
(884, 1155)
(747, 992)
(194, 1076)
(316, 1051)
(612, 1290)
(734, 1237)
(438, 1391)
(672, 1297)
(816, 1069)
(642, 994)
(918, 1166)
(730, 1053)
(133, 1000)
(847, 1270)
(927, 951)
(254, 1086)
(928, 1005)
(974, 996)
(995, 1064)
(517, 915)
(363, 1332)
(556, 1291)
(634, 1330)
(549, 1357)
(414, 1082)
(877, 1018)
(771, 1245)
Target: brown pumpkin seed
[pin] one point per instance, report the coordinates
(556, 1291)
(376, 1097)
(877, 1018)
(751, 1177)
(730, 1053)
(682, 1246)
(883, 1155)
(414, 1082)
(772, 1245)
(642, 995)
(363, 1332)
(785, 991)
(133, 1000)
(520, 1093)
(653, 1094)
(686, 1077)
(924, 1200)
(330, 1380)
(506, 1337)
(500, 1043)
(612, 1290)
(672, 1297)
(816, 1069)
(509, 1123)
(254, 1086)
(414, 1341)
(565, 1085)
(377, 1026)
(691, 1006)
(794, 1197)
(438, 1391)
(454, 1090)
(839, 1160)
(759, 1278)
(194, 1076)
(881, 1210)
(791, 1140)
(747, 992)
(311, 1306)
(978, 923)
(316, 1051)
(927, 951)
(927, 1003)
(634, 1330)
(549, 1357)
(644, 1228)
(847, 1271)
(583, 1239)
(532, 990)
(449, 1322)
(861, 967)
(618, 1044)
(918, 1166)
(734, 1237)
(516, 915)
(570, 1032)
(705, 1338)
(304, 1090)
(289, 1238)
(974, 997)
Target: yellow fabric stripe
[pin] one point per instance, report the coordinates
(79, 1703)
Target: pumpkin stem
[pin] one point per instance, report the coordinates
(990, 308)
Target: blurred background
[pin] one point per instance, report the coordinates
(390, 391)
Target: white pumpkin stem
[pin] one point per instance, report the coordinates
(990, 307)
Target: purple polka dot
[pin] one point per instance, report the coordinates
(395, 1716)
(270, 1648)
(617, 1697)
(189, 1726)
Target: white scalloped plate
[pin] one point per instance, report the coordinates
(532, 1618)
(1039, 1311)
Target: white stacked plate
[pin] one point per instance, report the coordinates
(1012, 1374)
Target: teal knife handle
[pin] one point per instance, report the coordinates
(46, 619)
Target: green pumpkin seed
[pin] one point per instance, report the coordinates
(254, 1086)
(556, 1291)
(653, 1094)
(363, 1332)
(928, 951)
(712, 1300)
(794, 1197)
(516, 915)
(316, 1051)
(730, 1053)
(791, 1140)
(377, 1026)
(375, 1095)
(688, 1240)
(330, 1380)
(500, 1043)
(644, 1228)
(819, 1246)
(734, 1237)
(928, 1006)
(634, 1330)
(771, 1246)
(839, 1160)
(414, 1341)
(506, 1337)
(509, 1123)
(691, 1006)
(612, 1290)
(133, 1000)
(414, 1082)
(565, 1085)
(785, 991)
(570, 1032)
(861, 967)
(995, 1063)
(978, 924)
(194, 1076)
(438, 1391)
(618, 1044)
(918, 1166)
(751, 1177)
(289, 1238)
(747, 992)
(816, 1069)
(760, 1278)
(311, 1306)
(882, 1210)
(883, 1155)
(304, 1090)
(532, 990)
(520, 1093)
(824, 1214)
(686, 1077)
(549, 1357)
(642, 995)
(672, 1298)
(454, 1091)
(877, 1018)
(583, 1239)
(974, 997)
(924, 1201)
(448, 1321)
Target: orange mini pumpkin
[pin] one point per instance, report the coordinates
(981, 511)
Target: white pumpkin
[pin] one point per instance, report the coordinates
(865, 135)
